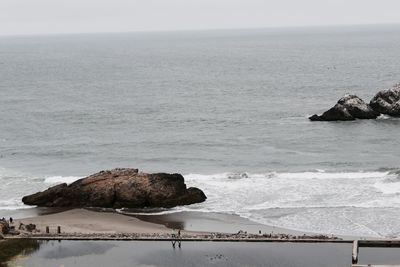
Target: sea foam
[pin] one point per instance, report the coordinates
(342, 203)
(61, 179)
(15, 185)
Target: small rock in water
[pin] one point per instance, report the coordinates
(349, 107)
(387, 101)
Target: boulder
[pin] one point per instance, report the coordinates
(120, 188)
(349, 107)
(4, 227)
(30, 227)
(337, 113)
(387, 101)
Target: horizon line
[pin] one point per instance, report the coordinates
(203, 29)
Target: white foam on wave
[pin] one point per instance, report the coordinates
(290, 190)
(61, 179)
(351, 203)
(20, 207)
(15, 185)
(388, 188)
(5, 172)
(162, 212)
(319, 201)
(386, 117)
(318, 174)
(330, 175)
(11, 204)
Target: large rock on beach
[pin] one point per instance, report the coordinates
(120, 188)
(387, 101)
(349, 107)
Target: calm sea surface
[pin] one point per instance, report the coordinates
(226, 108)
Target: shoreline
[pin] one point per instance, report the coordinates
(95, 220)
(187, 238)
(97, 228)
(95, 224)
(213, 222)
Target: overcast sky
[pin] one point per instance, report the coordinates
(66, 16)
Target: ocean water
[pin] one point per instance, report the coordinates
(228, 109)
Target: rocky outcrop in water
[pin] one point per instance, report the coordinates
(387, 101)
(120, 188)
(349, 107)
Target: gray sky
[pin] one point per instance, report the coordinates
(66, 16)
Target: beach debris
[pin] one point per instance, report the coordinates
(184, 237)
(4, 226)
(120, 188)
(27, 227)
(30, 227)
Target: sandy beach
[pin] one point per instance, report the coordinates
(213, 222)
(86, 221)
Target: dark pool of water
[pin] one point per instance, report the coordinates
(153, 253)
(118, 254)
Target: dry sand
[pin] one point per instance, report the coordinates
(86, 221)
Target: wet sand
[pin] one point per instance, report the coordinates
(213, 222)
(30, 212)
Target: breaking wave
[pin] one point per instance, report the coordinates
(15, 185)
(342, 203)
(61, 179)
